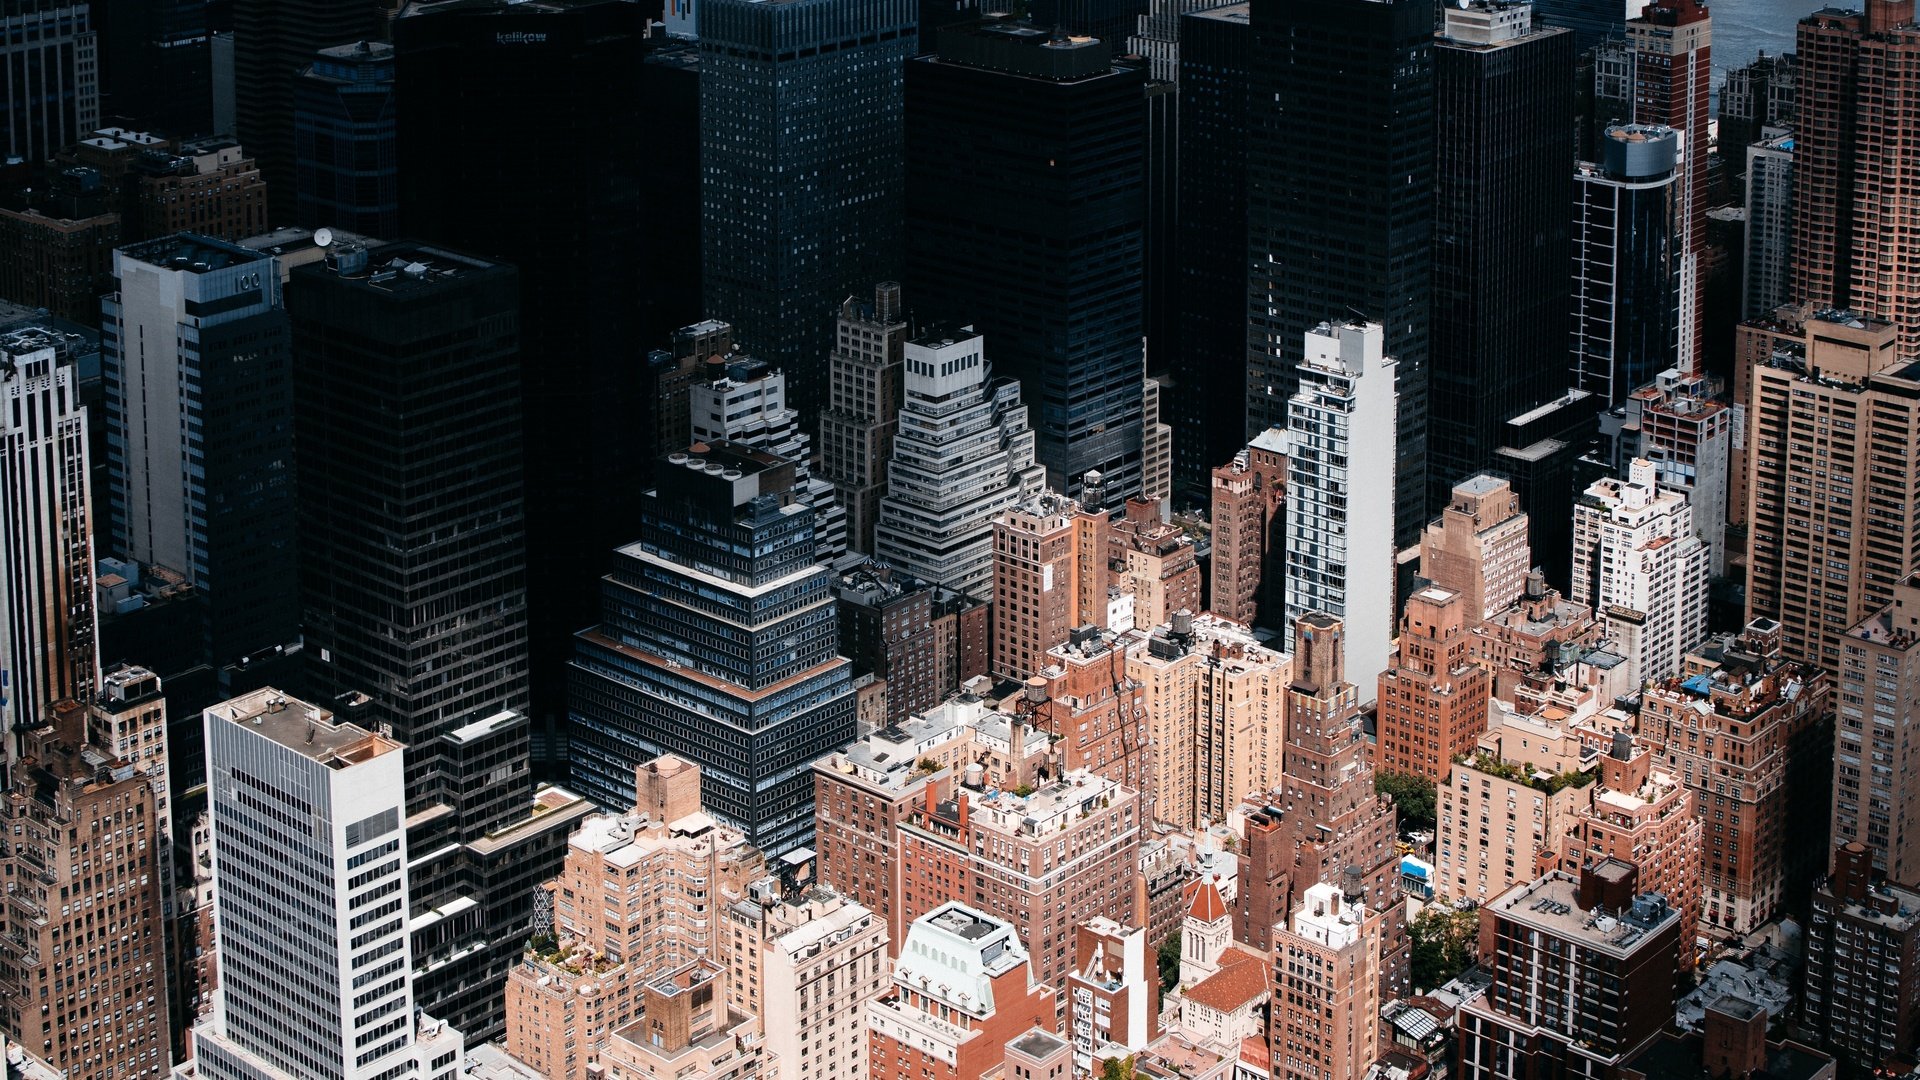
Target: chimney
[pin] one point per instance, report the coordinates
(1733, 1039)
(965, 814)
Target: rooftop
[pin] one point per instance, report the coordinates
(1552, 904)
(306, 728)
(1039, 1044)
(191, 252)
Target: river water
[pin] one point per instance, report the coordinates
(1742, 29)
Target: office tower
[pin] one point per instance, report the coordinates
(1214, 700)
(861, 794)
(1026, 217)
(1644, 816)
(51, 50)
(800, 107)
(529, 138)
(725, 553)
(210, 187)
(1542, 460)
(156, 63)
(1324, 823)
(886, 629)
(808, 964)
(1113, 992)
(345, 167)
(1502, 181)
(199, 416)
(963, 989)
(1340, 532)
(1767, 262)
(1763, 94)
(1327, 988)
(1871, 802)
(866, 384)
(1433, 698)
(1571, 992)
(1639, 564)
(112, 1020)
(1249, 530)
(1477, 547)
(1747, 733)
(410, 514)
(1852, 199)
(1503, 812)
(1049, 579)
(1592, 21)
(963, 454)
(1357, 250)
(991, 845)
(1835, 393)
(556, 1020)
(1094, 711)
(690, 1029)
(1207, 400)
(47, 634)
(1859, 995)
(670, 184)
(745, 401)
(1627, 231)
(271, 758)
(1676, 423)
(1672, 43)
(272, 41)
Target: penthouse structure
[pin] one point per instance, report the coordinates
(1326, 964)
(688, 1028)
(1745, 732)
(1537, 633)
(1833, 411)
(1583, 975)
(963, 990)
(726, 553)
(744, 400)
(1639, 564)
(863, 793)
(1477, 547)
(963, 455)
(1879, 696)
(1215, 699)
(1045, 861)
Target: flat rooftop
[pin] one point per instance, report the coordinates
(963, 922)
(306, 728)
(1039, 1044)
(191, 252)
(1552, 903)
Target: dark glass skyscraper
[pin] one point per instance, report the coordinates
(1503, 172)
(800, 162)
(1340, 202)
(1026, 216)
(1592, 21)
(272, 41)
(1208, 400)
(717, 643)
(344, 149)
(156, 64)
(1626, 262)
(526, 137)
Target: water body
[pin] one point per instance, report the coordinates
(1742, 29)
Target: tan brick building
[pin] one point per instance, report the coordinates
(1249, 512)
(1478, 546)
(1432, 702)
(1326, 997)
(1049, 576)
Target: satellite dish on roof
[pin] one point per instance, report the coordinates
(322, 237)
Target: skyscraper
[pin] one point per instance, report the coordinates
(300, 996)
(1340, 542)
(50, 52)
(1207, 402)
(726, 553)
(346, 170)
(800, 110)
(1433, 698)
(744, 400)
(47, 628)
(1627, 242)
(1049, 579)
(199, 415)
(963, 454)
(528, 138)
(1340, 206)
(1026, 217)
(1502, 178)
(1874, 806)
(272, 41)
(1862, 942)
(1248, 581)
(1672, 42)
(866, 386)
(1639, 564)
(413, 564)
(1854, 200)
(1327, 987)
(1767, 262)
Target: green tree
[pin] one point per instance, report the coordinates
(1117, 1068)
(1413, 797)
(1170, 962)
(1445, 940)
